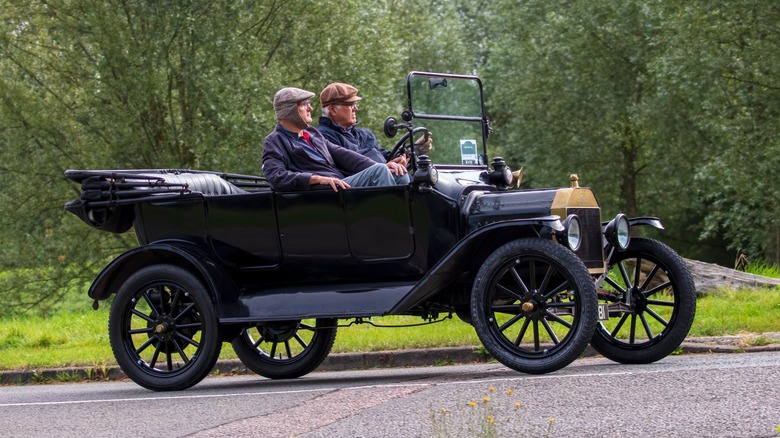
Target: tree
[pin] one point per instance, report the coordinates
(613, 91)
(721, 63)
(170, 84)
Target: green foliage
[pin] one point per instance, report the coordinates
(664, 108)
(154, 85)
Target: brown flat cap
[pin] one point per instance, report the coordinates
(338, 93)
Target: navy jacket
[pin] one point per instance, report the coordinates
(287, 166)
(360, 140)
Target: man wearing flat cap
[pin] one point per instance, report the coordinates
(297, 157)
(339, 125)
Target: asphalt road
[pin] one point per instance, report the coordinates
(688, 395)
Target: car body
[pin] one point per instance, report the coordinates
(223, 257)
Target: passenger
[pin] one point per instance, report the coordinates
(339, 125)
(296, 156)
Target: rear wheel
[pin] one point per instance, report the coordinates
(534, 305)
(163, 329)
(286, 349)
(652, 300)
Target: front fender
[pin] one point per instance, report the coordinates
(462, 261)
(178, 253)
(646, 220)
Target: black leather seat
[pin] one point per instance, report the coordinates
(207, 183)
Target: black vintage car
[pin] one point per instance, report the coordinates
(223, 257)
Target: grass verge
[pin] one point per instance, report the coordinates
(79, 338)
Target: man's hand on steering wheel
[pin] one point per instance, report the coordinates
(424, 144)
(399, 148)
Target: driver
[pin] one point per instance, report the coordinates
(339, 125)
(296, 156)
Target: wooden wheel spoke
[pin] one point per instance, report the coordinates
(550, 332)
(558, 319)
(519, 280)
(511, 322)
(521, 333)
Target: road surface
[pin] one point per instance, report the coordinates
(688, 395)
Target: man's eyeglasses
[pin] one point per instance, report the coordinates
(353, 106)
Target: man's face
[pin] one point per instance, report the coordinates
(304, 110)
(344, 114)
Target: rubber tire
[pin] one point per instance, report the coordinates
(668, 340)
(571, 346)
(301, 364)
(137, 367)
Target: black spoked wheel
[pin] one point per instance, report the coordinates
(533, 305)
(163, 329)
(286, 349)
(652, 300)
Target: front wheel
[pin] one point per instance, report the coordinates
(163, 328)
(285, 349)
(652, 302)
(533, 305)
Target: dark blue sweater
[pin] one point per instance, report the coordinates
(287, 166)
(360, 140)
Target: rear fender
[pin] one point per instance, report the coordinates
(177, 253)
(464, 260)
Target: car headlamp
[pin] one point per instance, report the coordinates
(618, 232)
(572, 233)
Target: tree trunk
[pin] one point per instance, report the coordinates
(708, 277)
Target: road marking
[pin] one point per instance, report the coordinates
(389, 385)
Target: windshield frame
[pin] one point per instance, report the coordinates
(481, 118)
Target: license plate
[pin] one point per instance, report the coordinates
(603, 311)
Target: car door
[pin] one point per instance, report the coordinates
(378, 223)
(327, 230)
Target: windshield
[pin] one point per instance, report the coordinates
(451, 107)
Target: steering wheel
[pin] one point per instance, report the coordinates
(399, 145)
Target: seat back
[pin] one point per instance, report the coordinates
(207, 183)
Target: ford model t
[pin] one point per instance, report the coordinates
(224, 258)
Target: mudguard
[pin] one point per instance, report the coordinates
(470, 252)
(178, 253)
(646, 220)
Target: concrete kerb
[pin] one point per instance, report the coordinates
(384, 359)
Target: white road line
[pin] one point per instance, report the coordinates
(389, 385)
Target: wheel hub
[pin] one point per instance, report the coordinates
(638, 300)
(279, 332)
(164, 328)
(532, 304)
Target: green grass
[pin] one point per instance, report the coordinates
(737, 311)
(79, 337)
(764, 269)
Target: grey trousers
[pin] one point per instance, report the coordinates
(376, 175)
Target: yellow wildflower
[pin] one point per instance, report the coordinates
(509, 391)
(490, 419)
(517, 405)
(492, 388)
(472, 403)
(486, 399)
